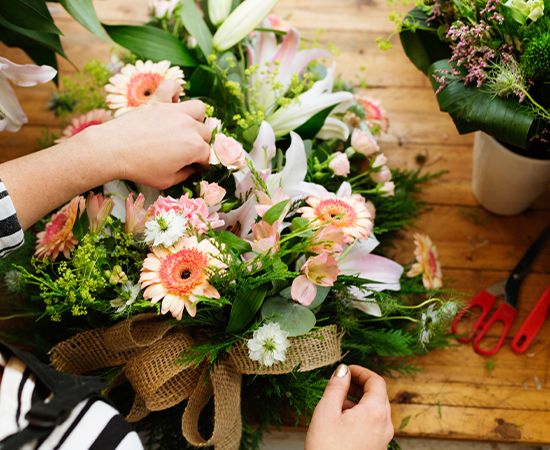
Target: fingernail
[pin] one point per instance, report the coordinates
(341, 371)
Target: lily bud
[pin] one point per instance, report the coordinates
(247, 16)
(218, 10)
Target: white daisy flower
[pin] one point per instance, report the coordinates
(165, 229)
(268, 345)
(129, 294)
(14, 280)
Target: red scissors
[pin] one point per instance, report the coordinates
(506, 313)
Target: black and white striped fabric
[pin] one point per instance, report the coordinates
(11, 234)
(92, 425)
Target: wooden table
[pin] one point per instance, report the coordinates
(455, 396)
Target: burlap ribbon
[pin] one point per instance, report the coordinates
(149, 346)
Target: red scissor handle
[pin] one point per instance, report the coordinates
(506, 314)
(484, 300)
(532, 324)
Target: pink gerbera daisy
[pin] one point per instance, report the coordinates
(427, 264)
(58, 236)
(178, 274)
(93, 117)
(347, 214)
(135, 84)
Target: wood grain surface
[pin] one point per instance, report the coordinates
(455, 396)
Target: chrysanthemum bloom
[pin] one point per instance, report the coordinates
(58, 236)
(428, 266)
(98, 208)
(346, 213)
(268, 344)
(178, 274)
(93, 117)
(135, 84)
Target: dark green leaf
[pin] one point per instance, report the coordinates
(233, 242)
(81, 224)
(151, 43)
(404, 422)
(196, 26)
(245, 307)
(314, 124)
(84, 13)
(472, 109)
(201, 82)
(26, 16)
(273, 213)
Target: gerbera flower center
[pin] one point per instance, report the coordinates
(58, 224)
(141, 87)
(184, 271)
(337, 211)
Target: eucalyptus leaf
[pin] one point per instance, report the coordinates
(151, 43)
(245, 307)
(273, 213)
(196, 26)
(24, 15)
(322, 292)
(291, 316)
(234, 243)
(84, 13)
(472, 109)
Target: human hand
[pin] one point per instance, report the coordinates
(340, 423)
(159, 143)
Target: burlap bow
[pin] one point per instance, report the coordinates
(149, 346)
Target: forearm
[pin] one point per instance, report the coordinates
(42, 181)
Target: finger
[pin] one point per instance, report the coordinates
(355, 391)
(374, 386)
(348, 404)
(195, 108)
(205, 133)
(166, 92)
(183, 174)
(332, 401)
(202, 156)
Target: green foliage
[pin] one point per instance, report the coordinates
(535, 60)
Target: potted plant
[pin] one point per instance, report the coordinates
(489, 65)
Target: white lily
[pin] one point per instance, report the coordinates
(264, 148)
(277, 65)
(12, 117)
(240, 220)
(247, 16)
(306, 105)
(218, 10)
(334, 129)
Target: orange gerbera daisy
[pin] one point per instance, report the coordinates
(58, 236)
(135, 84)
(93, 117)
(178, 274)
(345, 213)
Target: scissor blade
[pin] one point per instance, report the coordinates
(498, 288)
(511, 290)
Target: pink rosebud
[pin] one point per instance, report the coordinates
(381, 176)
(380, 160)
(388, 188)
(227, 152)
(371, 209)
(303, 291)
(327, 240)
(363, 142)
(212, 193)
(135, 215)
(339, 164)
(213, 124)
(98, 209)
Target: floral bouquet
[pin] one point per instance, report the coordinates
(250, 281)
(488, 64)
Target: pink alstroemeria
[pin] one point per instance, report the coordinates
(266, 237)
(329, 239)
(322, 270)
(12, 117)
(266, 202)
(135, 214)
(98, 208)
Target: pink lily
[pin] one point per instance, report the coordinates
(12, 117)
(98, 209)
(321, 270)
(266, 202)
(135, 214)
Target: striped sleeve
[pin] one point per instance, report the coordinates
(11, 234)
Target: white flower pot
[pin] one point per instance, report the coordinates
(504, 182)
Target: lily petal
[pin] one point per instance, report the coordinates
(264, 147)
(334, 129)
(240, 220)
(27, 74)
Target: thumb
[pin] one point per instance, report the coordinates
(168, 92)
(336, 391)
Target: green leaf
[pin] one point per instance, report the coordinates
(81, 224)
(48, 40)
(26, 16)
(322, 292)
(273, 213)
(151, 43)
(300, 222)
(291, 316)
(233, 242)
(404, 422)
(84, 13)
(196, 26)
(201, 82)
(314, 124)
(245, 307)
(423, 46)
(472, 109)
